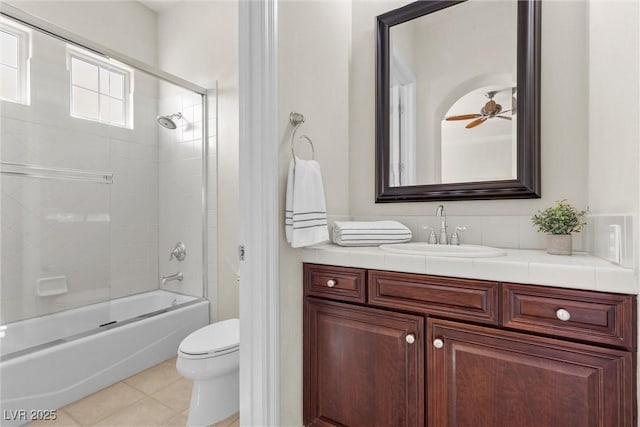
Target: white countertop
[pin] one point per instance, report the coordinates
(578, 271)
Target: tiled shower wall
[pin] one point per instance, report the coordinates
(102, 238)
(180, 199)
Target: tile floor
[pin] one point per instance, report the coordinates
(158, 396)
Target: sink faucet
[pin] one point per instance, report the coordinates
(178, 276)
(444, 239)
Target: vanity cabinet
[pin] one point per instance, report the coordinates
(417, 350)
(363, 366)
(479, 376)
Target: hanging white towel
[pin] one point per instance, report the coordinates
(305, 209)
(369, 233)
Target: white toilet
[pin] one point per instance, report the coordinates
(210, 357)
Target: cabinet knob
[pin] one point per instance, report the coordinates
(563, 314)
(331, 283)
(410, 338)
(438, 343)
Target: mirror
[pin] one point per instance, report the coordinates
(457, 101)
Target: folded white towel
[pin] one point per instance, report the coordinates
(369, 233)
(305, 208)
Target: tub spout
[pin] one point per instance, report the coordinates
(178, 276)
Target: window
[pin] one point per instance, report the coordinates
(100, 90)
(14, 63)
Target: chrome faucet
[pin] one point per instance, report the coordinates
(170, 278)
(444, 238)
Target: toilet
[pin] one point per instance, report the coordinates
(210, 357)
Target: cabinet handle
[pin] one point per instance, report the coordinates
(410, 338)
(331, 283)
(563, 314)
(438, 343)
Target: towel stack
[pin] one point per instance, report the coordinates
(305, 210)
(369, 233)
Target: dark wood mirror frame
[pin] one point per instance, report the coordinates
(527, 183)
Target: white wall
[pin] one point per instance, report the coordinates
(614, 130)
(313, 79)
(198, 42)
(125, 26)
(102, 238)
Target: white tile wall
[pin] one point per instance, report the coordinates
(508, 231)
(598, 242)
(103, 238)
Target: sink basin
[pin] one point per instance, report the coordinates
(459, 251)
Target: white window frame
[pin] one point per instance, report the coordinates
(113, 66)
(24, 61)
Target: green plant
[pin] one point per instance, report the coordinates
(560, 219)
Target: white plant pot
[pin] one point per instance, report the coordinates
(559, 244)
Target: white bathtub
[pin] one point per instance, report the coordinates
(53, 360)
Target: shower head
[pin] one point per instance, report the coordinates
(167, 121)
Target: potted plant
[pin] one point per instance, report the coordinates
(559, 222)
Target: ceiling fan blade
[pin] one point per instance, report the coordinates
(463, 117)
(476, 122)
(503, 117)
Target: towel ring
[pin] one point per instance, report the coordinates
(296, 120)
(313, 150)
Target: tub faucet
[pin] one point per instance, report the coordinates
(444, 239)
(178, 276)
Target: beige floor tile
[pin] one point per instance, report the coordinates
(102, 404)
(153, 379)
(176, 395)
(236, 421)
(179, 420)
(227, 422)
(62, 420)
(145, 413)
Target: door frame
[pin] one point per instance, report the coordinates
(259, 232)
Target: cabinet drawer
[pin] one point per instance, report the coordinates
(473, 300)
(583, 315)
(341, 283)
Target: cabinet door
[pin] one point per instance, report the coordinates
(479, 376)
(363, 367)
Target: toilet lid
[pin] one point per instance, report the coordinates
(215, 338)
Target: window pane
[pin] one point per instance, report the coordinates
(8, 83)
(84, 103)
(117, 85)
(116, 111)
(104, 81)
(84, 74)
(8, 49)
(104, 108)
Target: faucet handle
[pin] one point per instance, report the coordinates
(455, 237)
(433, 238)
(179, 252)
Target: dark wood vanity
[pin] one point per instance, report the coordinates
(397, 349)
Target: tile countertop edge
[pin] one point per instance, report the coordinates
(534, 267)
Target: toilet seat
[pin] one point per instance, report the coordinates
(214, 340)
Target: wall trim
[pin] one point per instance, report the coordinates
(259, 232)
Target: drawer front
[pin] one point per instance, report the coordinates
(583, 315)
(473, 300)
(339, 283)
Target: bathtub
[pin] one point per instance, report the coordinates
(51, 361)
